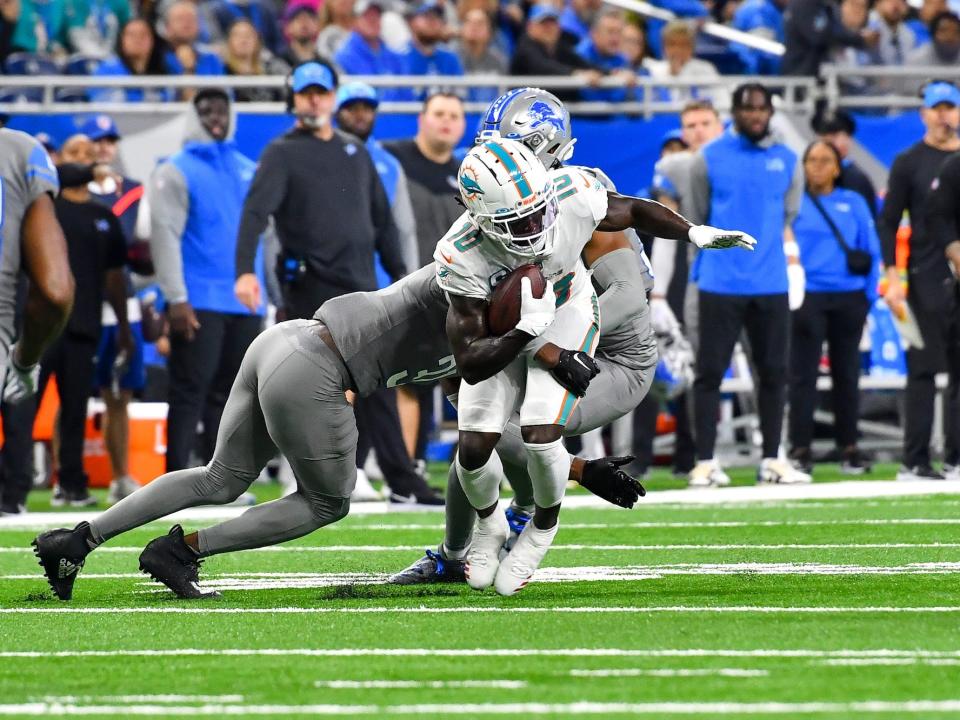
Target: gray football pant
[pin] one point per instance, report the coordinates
(288, 395)
(612, 394)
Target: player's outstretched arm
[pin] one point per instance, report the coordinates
(50, 298)
(479, 354)
(649, 216)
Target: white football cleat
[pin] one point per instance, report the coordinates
(781, 472)
(518, 567)
(363, 491)
(483, 559)
(708, 473)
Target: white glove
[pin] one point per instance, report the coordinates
(19, 383)
(797, 279)
(536, 314)
(706, 237)
(661, 316)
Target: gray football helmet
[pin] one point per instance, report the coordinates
(534, 117)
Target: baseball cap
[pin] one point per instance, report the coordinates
(99, 127)
(310, 74)
(427, 6)
(940, 91)
(356, 92)
(361, 6)
(295, 9)
(539, 13)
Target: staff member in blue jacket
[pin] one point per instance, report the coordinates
(196, 200)
(841, 258)
(746, 179)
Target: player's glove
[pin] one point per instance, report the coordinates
(575, 371)
(706, 237)
(536, 314)
(605, 479)
(19, 383)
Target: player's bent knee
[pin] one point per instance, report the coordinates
(327, 509)
(542, 434)
(475, 448)
(220, 484)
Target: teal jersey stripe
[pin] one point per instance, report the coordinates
(510, 164)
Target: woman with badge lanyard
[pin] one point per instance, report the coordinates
(840, 253)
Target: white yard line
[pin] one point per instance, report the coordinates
(676, 672)
(798, 653)
(419, 684)
(711, 497)
(553, 548)
(579, 708)
(423, 610)
(141, 698)
(857, 662)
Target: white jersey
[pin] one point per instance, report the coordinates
(470, 264)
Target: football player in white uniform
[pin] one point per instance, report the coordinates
(519, 212)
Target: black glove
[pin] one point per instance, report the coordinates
(575, 371)
(605, 479)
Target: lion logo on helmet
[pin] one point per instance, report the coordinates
(542, 114)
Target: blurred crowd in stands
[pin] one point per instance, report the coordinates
(582, 38)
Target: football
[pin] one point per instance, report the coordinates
(504, 311)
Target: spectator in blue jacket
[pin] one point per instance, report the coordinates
(196, 200)
(834, 231)
(763, 18)
(747, 179)
(603, 49)
(365, 53)
(425, 55)
(185, 56)
(139, 52)
(577, 19)
(260, 13)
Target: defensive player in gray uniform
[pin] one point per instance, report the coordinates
(289, 396)
(32, 243)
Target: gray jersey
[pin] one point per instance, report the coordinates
(26, 173)
(393, 336)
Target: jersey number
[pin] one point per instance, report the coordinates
(448, 366)
(467, 238)
(561, 287)
(561, 184)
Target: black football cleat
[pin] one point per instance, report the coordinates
(431, 568)
(62, 553)
(169, 560)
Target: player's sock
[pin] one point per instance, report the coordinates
(481, 486)
(513, 454)
(460, 518)
(549, 466)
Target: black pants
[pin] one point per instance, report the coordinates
(645, 430)
(838, 318)
(71, 359)
(201, 372)
(379, 427)
(16, 478)
(937, 316)
(306, 295)
(766, 319)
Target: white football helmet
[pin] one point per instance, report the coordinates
(510, 196)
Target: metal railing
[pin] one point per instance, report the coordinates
(798, 92)
(881, 87)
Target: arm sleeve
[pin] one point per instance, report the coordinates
(167, 190)
(699, 187)
(41, 173)
(663, 257)
(406, 222)
(528, 61)
(892, 213)
(388, 237)
(266, 193)
(271, 249)
(620, 277)
(791, 204)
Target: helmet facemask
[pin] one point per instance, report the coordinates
(528, 232)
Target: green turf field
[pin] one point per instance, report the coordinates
(826, 608)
